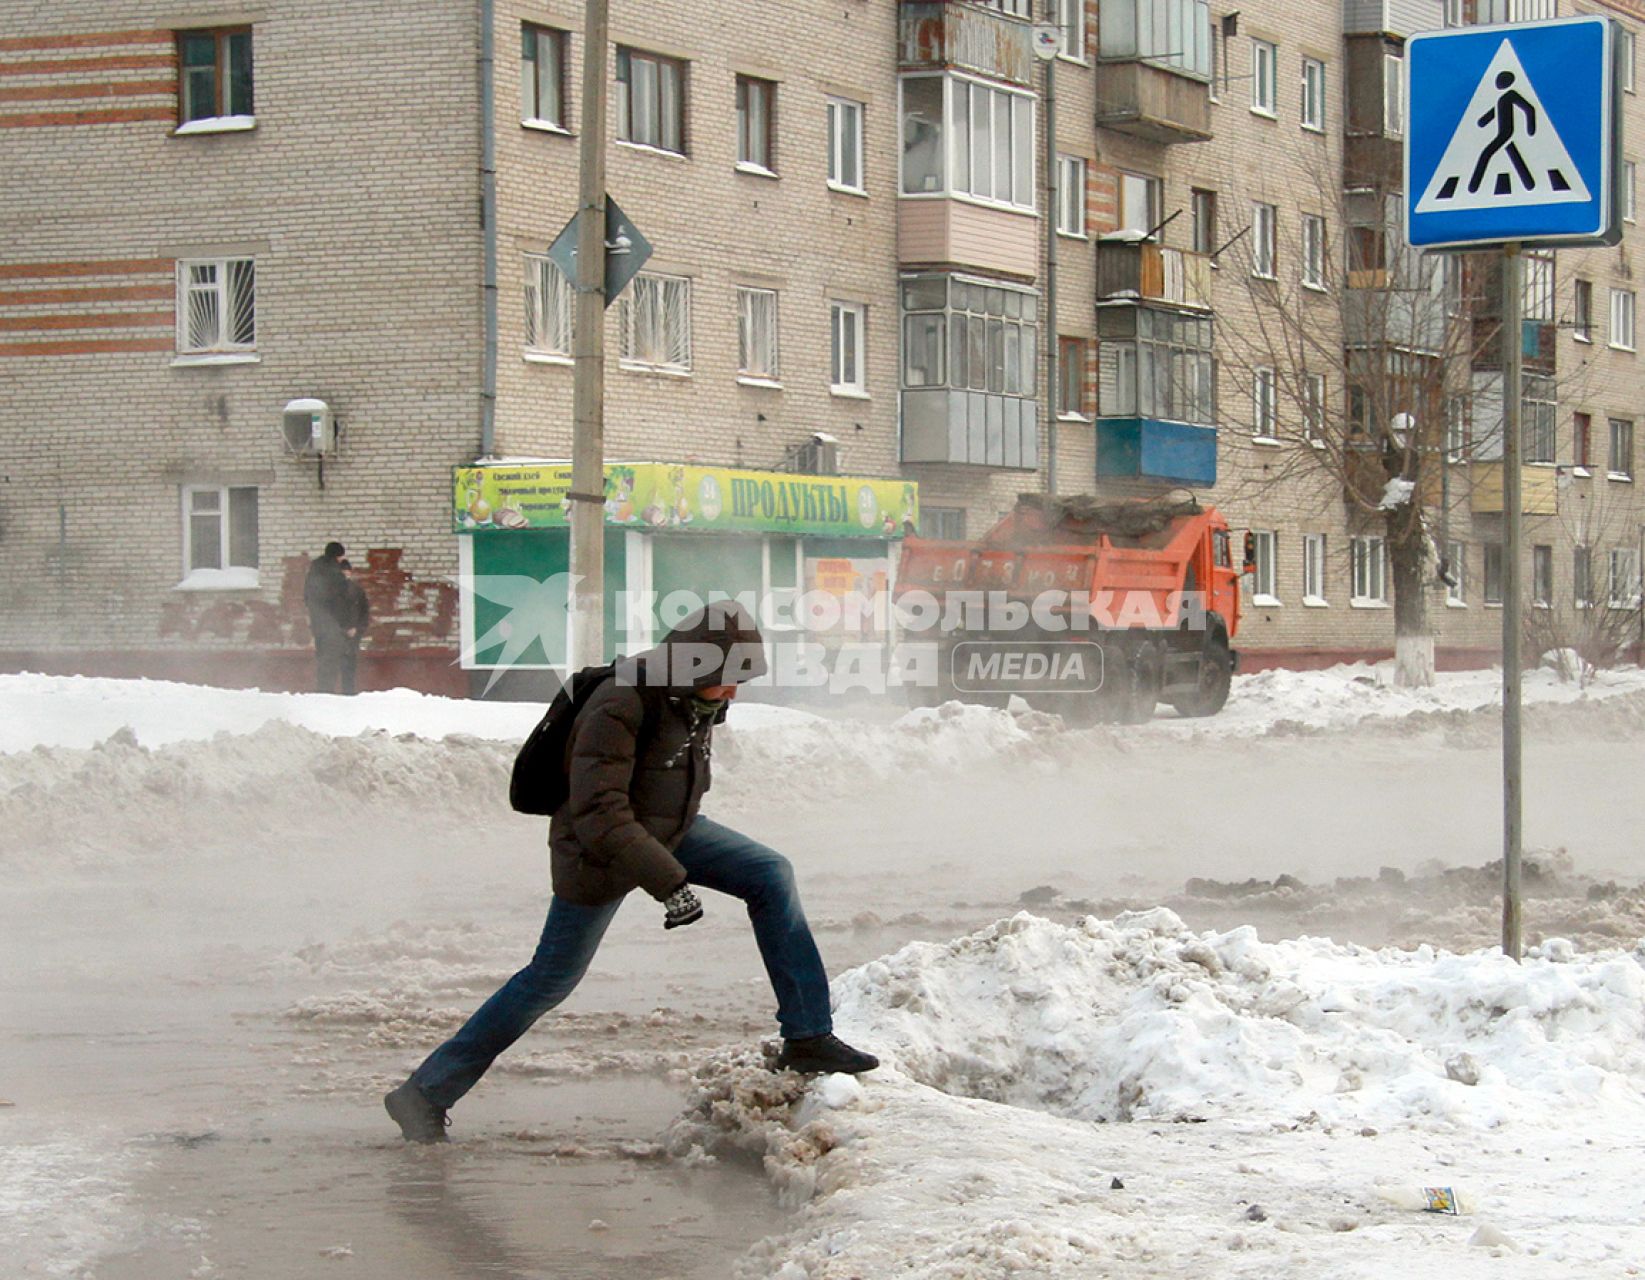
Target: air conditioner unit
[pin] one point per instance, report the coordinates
(819, 456)
(310, 429)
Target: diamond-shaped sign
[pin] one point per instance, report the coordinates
(626, 250)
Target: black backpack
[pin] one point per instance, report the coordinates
(540, 783)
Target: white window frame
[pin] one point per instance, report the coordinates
(1152, 189)
(226, 279)
(667, 300)
(1313, 571)
(1582, 576)
(1625, 43)
(1629, 172)
(531, 84)
(1542, 576)
(1624, 574)
(1619, 463)
(1264, 78)
(1264, 406)
(1622, 320)
(749, 89)
(1264, 240)
(225, 556)
(1456, 591)
(1369, 559)
(1265, 576)
(1313, 95)
(1313, 252)
(1393, 95)
(1315, 391)
(757, 311)
(1010, 117)
(1071, 30)
(1493, 551)
(848, 341)
(1071, 171)
(549, 305)
(846, 109)
(1582, 319)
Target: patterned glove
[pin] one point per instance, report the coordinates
(681, 907)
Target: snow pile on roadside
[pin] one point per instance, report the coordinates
(1139, 1018)
(1321, 1075)
(63, 1202)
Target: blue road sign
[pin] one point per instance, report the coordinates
(1511, 135)
(626, 250)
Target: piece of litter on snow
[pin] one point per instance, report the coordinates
(1490, 1237)
(337, 1251)
(1116, 1185)
(596, 1224)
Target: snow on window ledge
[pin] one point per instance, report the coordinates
(547, 357)
(1456, 604)
(754, 380)
(235, 579)
(216, 124)
(755, 170)
(546, 126)
(188, 359)
(849, 393)
(1266, 602)
(1365, 603)
(661, 370)
(1315, 602)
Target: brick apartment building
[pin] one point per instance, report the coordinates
(252, 255)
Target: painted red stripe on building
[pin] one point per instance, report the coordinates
(99, 293)
(83, 346)
(108, 267)
(85, 40)
(95, 320)
(69, 92)
(115, 115)
(118, 62)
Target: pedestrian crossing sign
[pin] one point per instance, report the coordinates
(1512, 135)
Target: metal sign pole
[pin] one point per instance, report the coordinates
(588, 353)
(1513, 341)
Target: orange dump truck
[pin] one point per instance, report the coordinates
(1093, 610)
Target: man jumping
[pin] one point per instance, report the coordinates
(638, 767)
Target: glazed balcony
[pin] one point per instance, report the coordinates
(1154, 69)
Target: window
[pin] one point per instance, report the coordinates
(1071, 195)
(1393, 95)
(922, 134)
(1582, 310)
(1537, 288)
(1071, 377)
(993, 143)
(219, 528)
(1582, 437)
(542, 76)
(757, 334)
(1265, 578)
(1582, 577)
(1071, 22)
(1537, 416)
(217, 305)
(1628, 191)
(1313, 408)
(1621, 461)
(1624, 578)
(1622, 319)
(1264, 405)
(1625, 48)
(1313, 94)
(1542, 576)
(651, 100)
(1204, 210)
(1264, 226)
(845, 145)
(1370, 561)
(1174, 34)
(1455, 571)
(1456, 429)
(756, 124)
(654, 324)
(1493, 573)
(1140, 200)
(1313, 251)
(1313, 568)
(548, 296)
(1017, 8)
(1156, 364)
(991, 335)
(847, 372)
(214, 74)
(946, 524)
(1263, 58)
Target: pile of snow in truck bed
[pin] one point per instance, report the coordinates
(1256, 1102)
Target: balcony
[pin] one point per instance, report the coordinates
(1391, 17)
(1538, 490)
(1151, 103)
(962, 36)
(1152, 449)
(1131, 269)
(976, 427)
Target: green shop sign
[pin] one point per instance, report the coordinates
(683, 498)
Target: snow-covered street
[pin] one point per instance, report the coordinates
(1197, 997)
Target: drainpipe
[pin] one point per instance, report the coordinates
(488, 222)
(1051, 177)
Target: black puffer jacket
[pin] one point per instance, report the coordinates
(639, 760)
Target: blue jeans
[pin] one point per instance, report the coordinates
(714, 857)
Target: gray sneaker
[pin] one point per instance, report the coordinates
(419, 1119)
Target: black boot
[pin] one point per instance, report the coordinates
(419, 1119)
(824, 1053)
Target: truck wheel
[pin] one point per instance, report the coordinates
(1216, 676)
(1144, 674)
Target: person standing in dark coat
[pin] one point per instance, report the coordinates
(356, 618)
(325, 592)
(638, 766)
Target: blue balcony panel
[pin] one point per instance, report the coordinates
(1148, 449)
